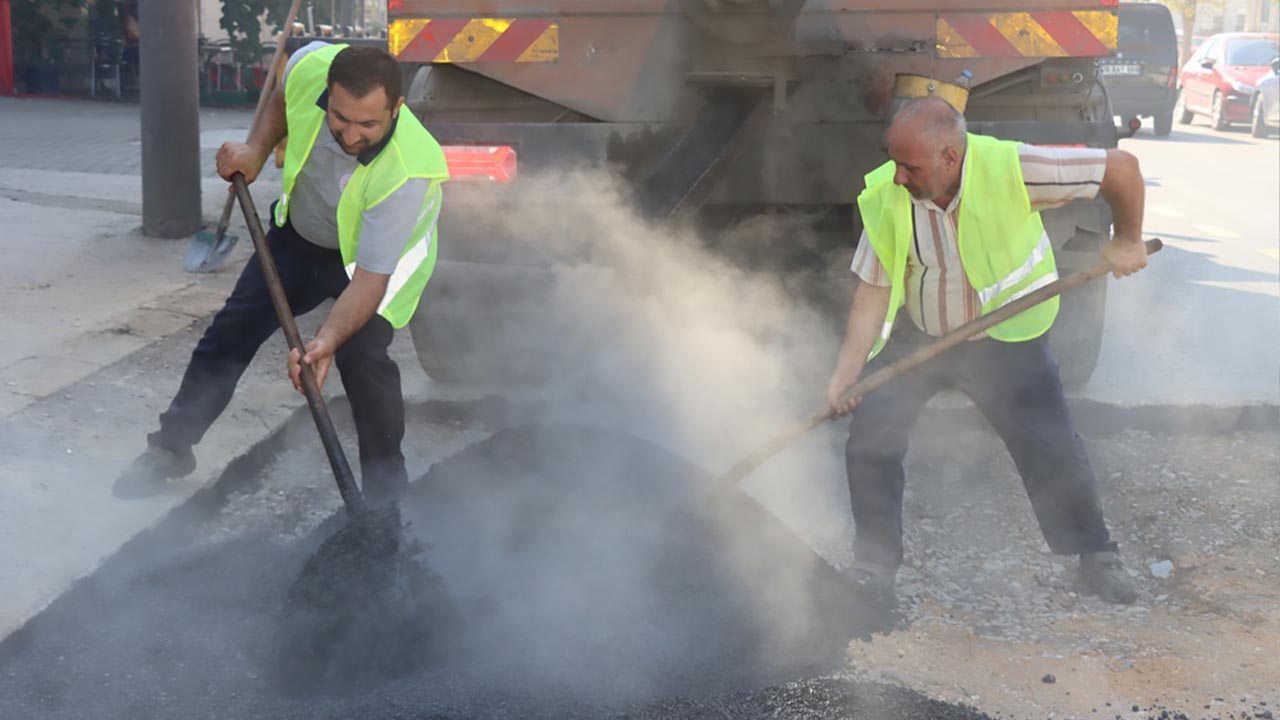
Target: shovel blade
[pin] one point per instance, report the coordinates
(207, 252)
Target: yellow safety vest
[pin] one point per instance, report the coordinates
(1003, 246)
(410, 152)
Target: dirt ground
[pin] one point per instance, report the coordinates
(999, 623)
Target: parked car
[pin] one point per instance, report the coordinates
(1266, 102)
(1221, 77)
(1141, 79)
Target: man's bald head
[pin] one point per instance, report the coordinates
(930, 120)
(927, 140)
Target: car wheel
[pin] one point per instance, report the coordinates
(1217, 113)
(1164, 123)
(1180, 109)
(1259, 126)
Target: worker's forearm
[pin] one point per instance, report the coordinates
(353, 308)
(271, 127)
(1125, 191)
(862, 329)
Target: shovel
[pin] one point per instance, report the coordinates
(364, 604)
(208, 250)
(351, 497)
(891, 371)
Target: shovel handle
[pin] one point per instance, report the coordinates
(898, 367)
(268, 87)
(351, 496)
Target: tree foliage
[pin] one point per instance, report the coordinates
(242, 19)
(40, 28)
(1188, 9)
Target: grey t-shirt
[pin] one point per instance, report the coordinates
(313, 205)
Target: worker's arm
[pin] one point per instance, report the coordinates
(866, 319)
(355, 306)
(1125, 191)
(248, 158)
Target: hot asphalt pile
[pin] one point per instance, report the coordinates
(582, 574)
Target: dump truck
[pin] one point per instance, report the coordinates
(718, 110)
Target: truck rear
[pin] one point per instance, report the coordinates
(716, 110)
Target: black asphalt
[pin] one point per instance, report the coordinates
(582, 574)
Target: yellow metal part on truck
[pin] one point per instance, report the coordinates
(1053, 33)
(474, 40)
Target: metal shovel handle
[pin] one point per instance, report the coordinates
(351, 496)
(898, 367)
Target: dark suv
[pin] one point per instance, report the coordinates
(1142, 77)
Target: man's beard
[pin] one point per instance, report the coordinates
(355, 150)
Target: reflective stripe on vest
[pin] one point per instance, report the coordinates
(1041, 251)
(411, 260)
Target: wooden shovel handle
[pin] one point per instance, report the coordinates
(268, 87)
(924, 354)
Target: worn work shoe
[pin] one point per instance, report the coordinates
(876, 603)
(1104, 574)
(873, 583)
(385, 492)
(147, 474)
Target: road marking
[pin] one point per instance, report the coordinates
(1165, 211)
(1216, 231)
(1273, 253)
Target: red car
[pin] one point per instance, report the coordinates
(1222, 75)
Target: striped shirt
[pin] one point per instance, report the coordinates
(939, 297)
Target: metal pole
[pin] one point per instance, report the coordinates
(170, 118)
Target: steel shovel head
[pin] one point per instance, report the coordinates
(207, 253)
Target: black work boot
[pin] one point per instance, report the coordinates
(385, 488)
(148, 473)
(876, 607)
(1104, 575)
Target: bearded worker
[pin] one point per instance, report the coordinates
(953, 231)
(356, 222)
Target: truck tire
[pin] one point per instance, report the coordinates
(495, 324)
(1163, 123)
(1076, 336)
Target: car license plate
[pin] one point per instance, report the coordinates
(1121, 69)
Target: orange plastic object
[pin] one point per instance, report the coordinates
(495, 163)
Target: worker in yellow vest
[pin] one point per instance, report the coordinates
(356, 222)
(952, 231)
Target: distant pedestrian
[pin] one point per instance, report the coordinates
(356, 222)
(953, 232)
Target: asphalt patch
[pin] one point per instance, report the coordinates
(583, 574)
(365, 609)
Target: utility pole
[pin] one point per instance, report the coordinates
(170, 118)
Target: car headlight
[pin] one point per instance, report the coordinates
(1242, 88)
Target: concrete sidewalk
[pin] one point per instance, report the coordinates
(99, 323)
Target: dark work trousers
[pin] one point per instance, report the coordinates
(1016, 387)
(310, 274)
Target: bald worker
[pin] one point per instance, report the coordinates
(952, 231)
